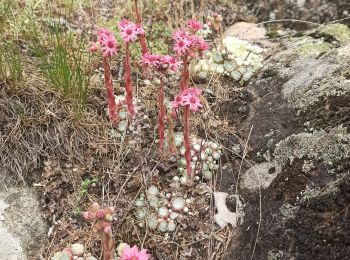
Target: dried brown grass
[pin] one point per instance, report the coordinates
(37, 122)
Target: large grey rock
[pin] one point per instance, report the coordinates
(296, 184)
(10, 246)
(22, 229)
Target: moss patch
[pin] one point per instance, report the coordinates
(337, 31)
(314, 48)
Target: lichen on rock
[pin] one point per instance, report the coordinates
(336, 31)
(329, 146)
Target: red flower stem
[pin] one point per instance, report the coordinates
(187, 145)
(143, 43)
(161, 115)
(128, 82)
(185, 75)
(108, 246)
(112, 106)
(171, 136)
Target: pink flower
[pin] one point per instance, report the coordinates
(103, 34)
(172, 62)
(107, 42)
(88, 215)
(151, 60)
(133, 253)
(109, 47)
(129, 31)
(100, 214)
(194, 25)
(189, 97)
(201, 44)
(177, 102)
(193, 101)
(186, 44)
(182, 46)
(123, 24)
(180, 34)
(160, 62)
(193, 91)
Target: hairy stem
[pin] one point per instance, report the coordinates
(187, 145)
(128, 82)
(161, 115)
(108, 246)
(112, 107)
(185, 75)
(171, 136)
(143, 42)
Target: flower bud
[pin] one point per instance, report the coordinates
(173, 114)
(95, 207)
(109, 217)
(100, 214)
(107, 229)
(88, 215)
(110, 210)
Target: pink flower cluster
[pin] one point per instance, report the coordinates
(194, 25)
(130, 31)
(189, 97)
(103, 215)
(187, 43)
(160, 62)
(106, 42)
(133, 253)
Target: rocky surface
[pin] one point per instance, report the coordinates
(22, 229)
(295, 186)
(317, 11)
(10, 246)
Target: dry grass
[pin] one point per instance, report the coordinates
(37, 122)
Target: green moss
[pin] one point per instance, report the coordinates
(312, 48)
(272, 34)
(336, 31)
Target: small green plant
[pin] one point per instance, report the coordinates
(10, 62)
(159, 36)
(66, 66)
(83, 191)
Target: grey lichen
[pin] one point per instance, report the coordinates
(315, 82)
(288, 211)
(260, 175)
(329, 146)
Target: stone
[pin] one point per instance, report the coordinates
(23, 230)
(224, 215)
(260, 176)
(246, 31)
